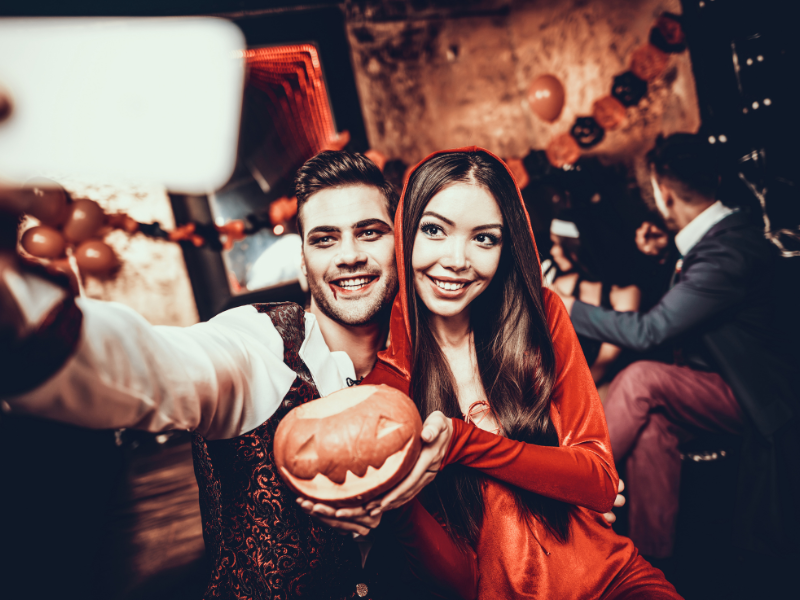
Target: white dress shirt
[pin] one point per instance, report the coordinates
(687, 238)
(222, 378)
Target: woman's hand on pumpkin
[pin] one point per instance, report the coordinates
(437, 431)
(619, 501)
(345, 520)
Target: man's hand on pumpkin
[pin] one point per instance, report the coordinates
(437, 431)
(344, 520)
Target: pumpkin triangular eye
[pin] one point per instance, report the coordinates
(308, 451)
(386, 426)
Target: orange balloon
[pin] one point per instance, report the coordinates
(378, 157)
(520, 172)
(47, 201)
(648, 62)
(43, 242)
(609, 112)
(85, 218)
(546, 97)
(563, 150)
(95, 257)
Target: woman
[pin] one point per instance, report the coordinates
(475, 337)
(585, 265)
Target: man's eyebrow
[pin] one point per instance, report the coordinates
(324, 229)
(371, 223)
(430, 213)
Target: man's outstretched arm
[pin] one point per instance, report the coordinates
(221, 378)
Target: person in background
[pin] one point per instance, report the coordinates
(582, 266)
(732, 369)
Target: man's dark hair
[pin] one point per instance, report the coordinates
(687, 161)
(332, 169)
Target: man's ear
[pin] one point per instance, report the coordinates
(303, 269)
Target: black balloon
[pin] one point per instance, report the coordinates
(587, 132)
(628, 89)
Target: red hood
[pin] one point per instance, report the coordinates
(398, 355)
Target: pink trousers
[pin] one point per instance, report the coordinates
(652, 407)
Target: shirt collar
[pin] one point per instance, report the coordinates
(687, 238)
(329, 370)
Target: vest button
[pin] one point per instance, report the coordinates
(361, 590)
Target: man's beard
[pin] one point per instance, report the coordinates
(358, 311)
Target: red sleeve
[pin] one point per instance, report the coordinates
(433, 557)
(581, 469)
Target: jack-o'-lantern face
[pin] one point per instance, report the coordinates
(587, 132)
(350, 445)
(628, 88)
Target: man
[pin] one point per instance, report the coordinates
(232, 379)
(731, 373)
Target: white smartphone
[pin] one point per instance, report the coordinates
(142, 100)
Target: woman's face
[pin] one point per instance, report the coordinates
(457, 248)
(558, 254)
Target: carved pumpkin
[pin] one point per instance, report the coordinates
(648, 62)
(609, 112)
(349, 447)
(667, 34)
(628, 89)
(587, 132)
(563, 150)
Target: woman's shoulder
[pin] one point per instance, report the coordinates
(383, 373)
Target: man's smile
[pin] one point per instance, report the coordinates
(352, 284)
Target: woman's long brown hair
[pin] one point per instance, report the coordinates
(512, 343)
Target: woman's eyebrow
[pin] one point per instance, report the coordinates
(430, 213)
(489, 226)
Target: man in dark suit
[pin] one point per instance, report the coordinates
(732, 370)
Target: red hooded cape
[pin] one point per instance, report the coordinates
(514, 560)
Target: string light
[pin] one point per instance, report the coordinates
(767, 101)
(723, 138)
(712, 139)
(755, 105)
(749, 61)
(760, 58)
(278, 229)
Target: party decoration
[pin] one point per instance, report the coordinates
(378, 157)
(667, 34)
(563, 150)
(628, 89)
(349, 447)
(587, 132)
(43, 242)
(96, 258)
(84, 219)
(546, 97)
(609, 112)
(648, 62)
(47, 201)
(520, 172)
(282, 209)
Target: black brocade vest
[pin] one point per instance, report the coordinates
(261, 545)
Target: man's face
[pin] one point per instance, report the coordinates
(348, 253)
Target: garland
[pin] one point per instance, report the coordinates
(647, 63)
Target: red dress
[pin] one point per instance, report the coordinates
(514, 561)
